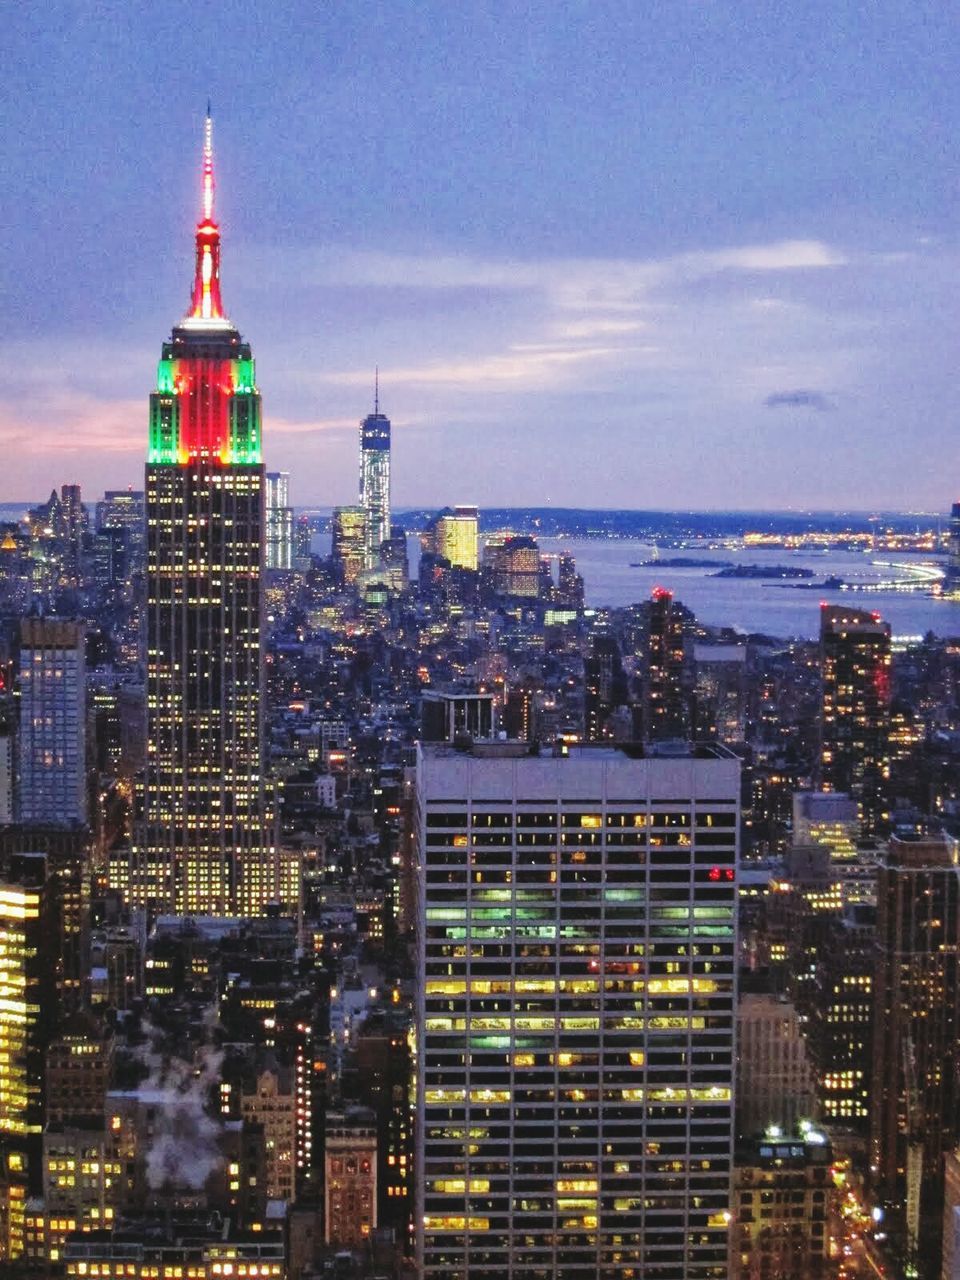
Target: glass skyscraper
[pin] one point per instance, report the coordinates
(279, 521)
(53, 714)
(375, 482)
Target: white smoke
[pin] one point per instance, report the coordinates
(185, 1147)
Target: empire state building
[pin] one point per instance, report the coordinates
(204, 838)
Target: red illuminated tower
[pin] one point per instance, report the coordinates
(204, 842)
(666, 711)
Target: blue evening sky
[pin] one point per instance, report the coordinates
(675, 253)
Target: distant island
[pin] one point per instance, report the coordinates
(833, 583)
(682, 562)
(763, 571)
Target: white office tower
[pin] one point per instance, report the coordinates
(279, 522)
(577, 975)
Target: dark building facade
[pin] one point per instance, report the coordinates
(666, 706)
(915, 1113)
(855, 714)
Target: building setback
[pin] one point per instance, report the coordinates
(577, 975)
(204, 843)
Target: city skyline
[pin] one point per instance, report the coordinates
(662, 235)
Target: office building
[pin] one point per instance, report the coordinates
(81, 1183)
(393, 558)
(8, 767)
(73, 524)
(122, 509)
(721, 692)
(204, 844)
(28, 959)
(375, 481)
(666, 705)
(577, 975)
(953, 543)
(279, 527)
(52, 786)
(453, 535)
(915, 1097)
(349, 545)
(775, 1080)
(77, 1072)
(829, 818)
(125, 509)
(840, 1030)
(569, 591)
(784, 1205)
(950, 1268)
(107, 559)
(517, 567)
(198, 1246)
(855, 715)
(448, 715)
(302, 543)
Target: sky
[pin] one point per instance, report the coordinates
(670, 254)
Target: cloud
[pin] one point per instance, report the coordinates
(800, 399)
(58, 422)
(578, 283)
(275, 426)
(521, 364)
(571, 360)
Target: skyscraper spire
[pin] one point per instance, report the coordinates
(208, 166)
(205, 302)
(376, 389)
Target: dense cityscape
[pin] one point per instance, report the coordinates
(376, 914)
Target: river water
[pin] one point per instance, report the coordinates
(774, 607)
(750, 604)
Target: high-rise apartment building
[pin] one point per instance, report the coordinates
(855, 716)
(52, 753)
(375, 481)
(577, 987)
(279, 529)
(204, 844)
(666, 709)
(915, 1097)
